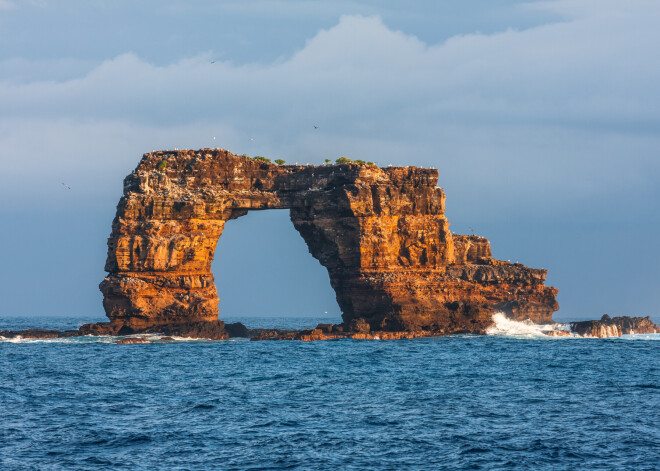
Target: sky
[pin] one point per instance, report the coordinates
(542, 117)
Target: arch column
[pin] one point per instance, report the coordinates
(160, 268)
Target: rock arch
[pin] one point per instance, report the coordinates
(380, 232)
(262, 267)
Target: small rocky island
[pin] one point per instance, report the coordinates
(397, 269)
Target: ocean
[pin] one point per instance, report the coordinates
(514, 400)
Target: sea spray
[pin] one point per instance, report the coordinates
(502, 325)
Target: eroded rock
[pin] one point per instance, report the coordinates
(615, 327)
(381, 233)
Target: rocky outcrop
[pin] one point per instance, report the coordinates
(381, 233)
(132, 340)
(213, 330)
(38, 334)
(615, 327)
(330, 332)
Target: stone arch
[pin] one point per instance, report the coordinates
(380, 232)
(262, 267)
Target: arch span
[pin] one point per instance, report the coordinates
(380, 232)
(262, 267)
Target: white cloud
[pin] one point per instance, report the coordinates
(586, 68)
(548, 105)
(546, 126)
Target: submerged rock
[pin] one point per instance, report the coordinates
(31, 334)
(212, 330)
(133, 340)
(558, 333)
(38, 334)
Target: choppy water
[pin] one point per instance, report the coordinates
(462, 402)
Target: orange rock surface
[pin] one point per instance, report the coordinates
(381, 233)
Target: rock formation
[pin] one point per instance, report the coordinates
(615, 327)
(381, 233)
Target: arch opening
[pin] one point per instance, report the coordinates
(263, 268)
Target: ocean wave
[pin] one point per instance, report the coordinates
(507, 327)
(504, 326)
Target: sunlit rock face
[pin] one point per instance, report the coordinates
(381, 233)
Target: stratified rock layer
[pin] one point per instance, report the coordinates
(615, 326)
(381, 233)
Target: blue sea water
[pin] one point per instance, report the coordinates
(459, 402)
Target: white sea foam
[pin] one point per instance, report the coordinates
(86, 339)
(504, 326)
(99, 339)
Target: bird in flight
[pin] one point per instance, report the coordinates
(66, 186)
(252, 139)
(315, 126)
(212, 62)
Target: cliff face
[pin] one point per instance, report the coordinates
(380, 232)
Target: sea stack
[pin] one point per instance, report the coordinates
(381, 233)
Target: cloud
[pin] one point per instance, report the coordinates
(7, 5)
(538, 134)
(548, 105)
(587, 68)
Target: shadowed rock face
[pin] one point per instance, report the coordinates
(380, 232)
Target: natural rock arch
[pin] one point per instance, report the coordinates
(262, 267)
(380, 232)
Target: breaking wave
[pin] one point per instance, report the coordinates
(506, 327)
(502, 325)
